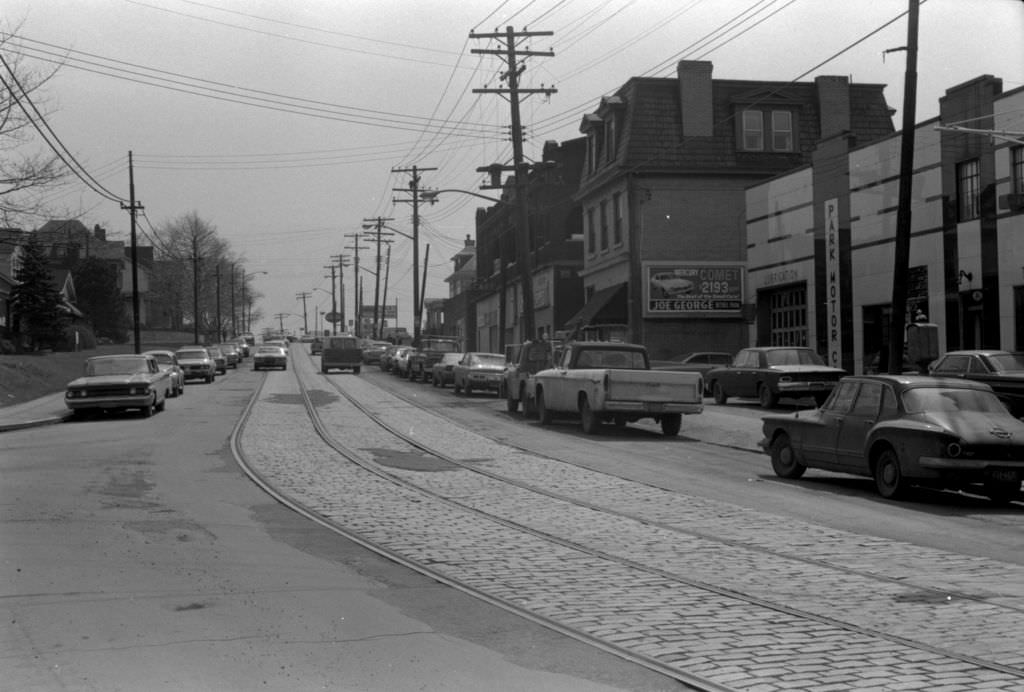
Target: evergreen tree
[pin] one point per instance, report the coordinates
(34, 299)
(98, 296)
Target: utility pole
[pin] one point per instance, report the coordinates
(387, 276)
(133, 208)
(901, 261)
(355, 247)
(342, 261)
(305, 321)
(195, 286)
(216, 273)
(334, 302)
(280, 322)
(511, 52)
(234, 325)
(379, 233)
(414, 190)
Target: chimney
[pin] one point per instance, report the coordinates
(833, 105)
(695, 97)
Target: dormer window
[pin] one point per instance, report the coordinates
(770, 130)
(610, 135)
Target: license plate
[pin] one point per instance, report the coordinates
(1003, 475)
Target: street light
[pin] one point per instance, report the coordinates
(247, 323)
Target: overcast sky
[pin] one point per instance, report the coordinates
(279, 122)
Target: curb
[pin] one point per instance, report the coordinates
(39, 422)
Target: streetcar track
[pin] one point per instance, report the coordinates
(374, 467)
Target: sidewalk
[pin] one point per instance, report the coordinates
(42, 411)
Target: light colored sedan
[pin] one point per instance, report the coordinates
(478, 371)
(197, 363)
(270, 356)
(130, 381)
(168, 362)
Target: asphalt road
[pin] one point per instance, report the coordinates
(134, 555)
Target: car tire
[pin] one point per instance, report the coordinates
(356, 370)
(784, 462)
(670, 424)
(159, 408)
(149, 409)
(718, 392)
(543, 412)
(469, 389)
(529, 405)
(589, 421)
(511, 405)
(455, 387)
(889, 480)
(209, 379)
(767, 397)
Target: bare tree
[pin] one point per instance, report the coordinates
(26, 170)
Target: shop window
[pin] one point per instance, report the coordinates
(968, 189)
(767, 130)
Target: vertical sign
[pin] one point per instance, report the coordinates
(832, 269)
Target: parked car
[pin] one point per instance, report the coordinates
(219, 359)
(430, 349)
(270, 356)
(197, 363)
(698, 361)
(476, 370)
(130, 381)
(400, 361)
(231, 353)
(1001, 370)
(373, 350)
(768, 373)
(600, 381)
(387, 358)
(316, 346)
(341, 353)
(905, 430)
(441, 374)
(168, 362)
(522, 363)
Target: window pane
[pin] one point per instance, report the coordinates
(1017, 169)
(968, 182)
(753, 131)
(782, 131)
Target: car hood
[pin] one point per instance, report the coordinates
(194, 361)
(975, 426)
(101, 380)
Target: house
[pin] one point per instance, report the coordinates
(662, 193)
(460, 309)
(553, 248)
(11, 240)
(828, 229)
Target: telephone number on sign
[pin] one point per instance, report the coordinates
(692, 305)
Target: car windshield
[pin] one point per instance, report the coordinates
(116, 366)
(270, 349)
(442, 346)
(162, 358)
(192, 354)
(934, 399)
(1004, 362)
(488, 359)
(793, 356)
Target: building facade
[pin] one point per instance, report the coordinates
(662, 195)
(820, 240)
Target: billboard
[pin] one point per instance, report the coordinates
(693, 289)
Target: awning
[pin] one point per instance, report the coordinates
(605, 307)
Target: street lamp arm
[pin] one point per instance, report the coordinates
(431, 196)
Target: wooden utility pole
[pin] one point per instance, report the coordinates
(355, 247)
(901, 262)
(379, 233)
(512, 54)
(133, 208)
(417, 299)
(305, 321)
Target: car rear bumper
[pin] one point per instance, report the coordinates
(805, 387)
(652, 408)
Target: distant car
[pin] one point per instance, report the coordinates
(130, 381)
(905, 430)
(219, 359)
(270, 356)
(478, 371)
(231, 352)
(316, 346)
(197, 363)
(441, 374)
(698, 361)
(168, 362)
(1001, 370)
(387, 358)
(768, 373)
(341, 353)
(373, 350)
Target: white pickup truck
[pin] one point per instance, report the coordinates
(610, 381)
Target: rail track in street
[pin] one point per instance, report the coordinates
(714, 595)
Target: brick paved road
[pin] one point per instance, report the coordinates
(707, 589)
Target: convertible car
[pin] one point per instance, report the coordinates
(905, 430)
(119, 382)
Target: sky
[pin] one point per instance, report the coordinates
(285, 124)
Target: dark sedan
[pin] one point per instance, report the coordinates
(769, 373)
(1001, 370)
(905, 430)
(699, 361)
